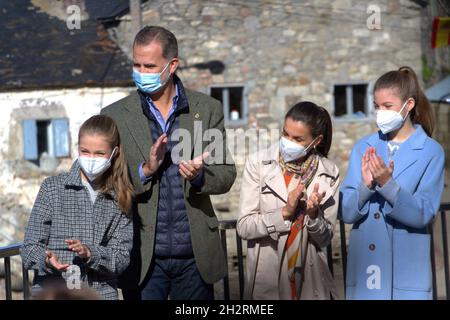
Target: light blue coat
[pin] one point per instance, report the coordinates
(389, 251)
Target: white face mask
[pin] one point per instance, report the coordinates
(390, 120)
(291, 151)
(93, 167)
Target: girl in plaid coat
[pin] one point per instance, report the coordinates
(79, 233)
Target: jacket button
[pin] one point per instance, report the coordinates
(371, 247)
(377, 215)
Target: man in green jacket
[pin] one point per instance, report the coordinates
(177, 251)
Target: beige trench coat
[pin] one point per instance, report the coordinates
(263, 195)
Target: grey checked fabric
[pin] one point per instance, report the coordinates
(63, 210)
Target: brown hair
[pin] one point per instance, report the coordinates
(317, 119)
(405, 81)
(116, 177)
(166, 38)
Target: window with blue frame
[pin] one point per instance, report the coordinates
(49, 136)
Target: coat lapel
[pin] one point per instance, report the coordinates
(274, 181)
(273, 176)
(186, 121)
(138, 125)
(404, 157)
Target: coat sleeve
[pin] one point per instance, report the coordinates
(417, 209)
(321, 229)
(37, 233)
(218, 177)
(113, 256)
(252, 222)
(354, 195)
(134, 171)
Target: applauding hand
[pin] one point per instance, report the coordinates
(313, 202)
(293, 200)
(52, 261)
(191, 169)
(379, 171)
(80, 249)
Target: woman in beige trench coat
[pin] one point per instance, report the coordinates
(288, 208)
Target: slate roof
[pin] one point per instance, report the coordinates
(38, 51)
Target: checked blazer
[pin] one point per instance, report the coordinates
(63, 210)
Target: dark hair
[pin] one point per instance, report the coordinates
(166, 38)
(116, 177)
(317, 119)
(404, 80)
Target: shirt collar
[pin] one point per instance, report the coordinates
(181, 105)
(174, 100)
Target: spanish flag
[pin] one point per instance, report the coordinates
(441, 32)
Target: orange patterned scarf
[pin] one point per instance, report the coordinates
(305, 173)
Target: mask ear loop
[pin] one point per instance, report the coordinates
(404, 105)
(163, 70)
(312, 142)
(165, 67)
(116, 148)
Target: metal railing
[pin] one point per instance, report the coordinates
(6, 253)
(444, 208)
(230, 225)
(225, 225)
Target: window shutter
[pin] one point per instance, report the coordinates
(30, 143)
(60, 130)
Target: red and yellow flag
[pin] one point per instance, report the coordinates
(441, 32)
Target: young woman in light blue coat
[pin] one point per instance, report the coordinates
(391, 194)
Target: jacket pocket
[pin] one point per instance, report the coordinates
(212, 222)
(412, 263)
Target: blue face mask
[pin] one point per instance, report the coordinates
(149, 82)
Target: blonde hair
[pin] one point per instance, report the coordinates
(116, 177)
(405, 81)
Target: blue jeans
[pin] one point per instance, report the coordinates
(174, 278)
